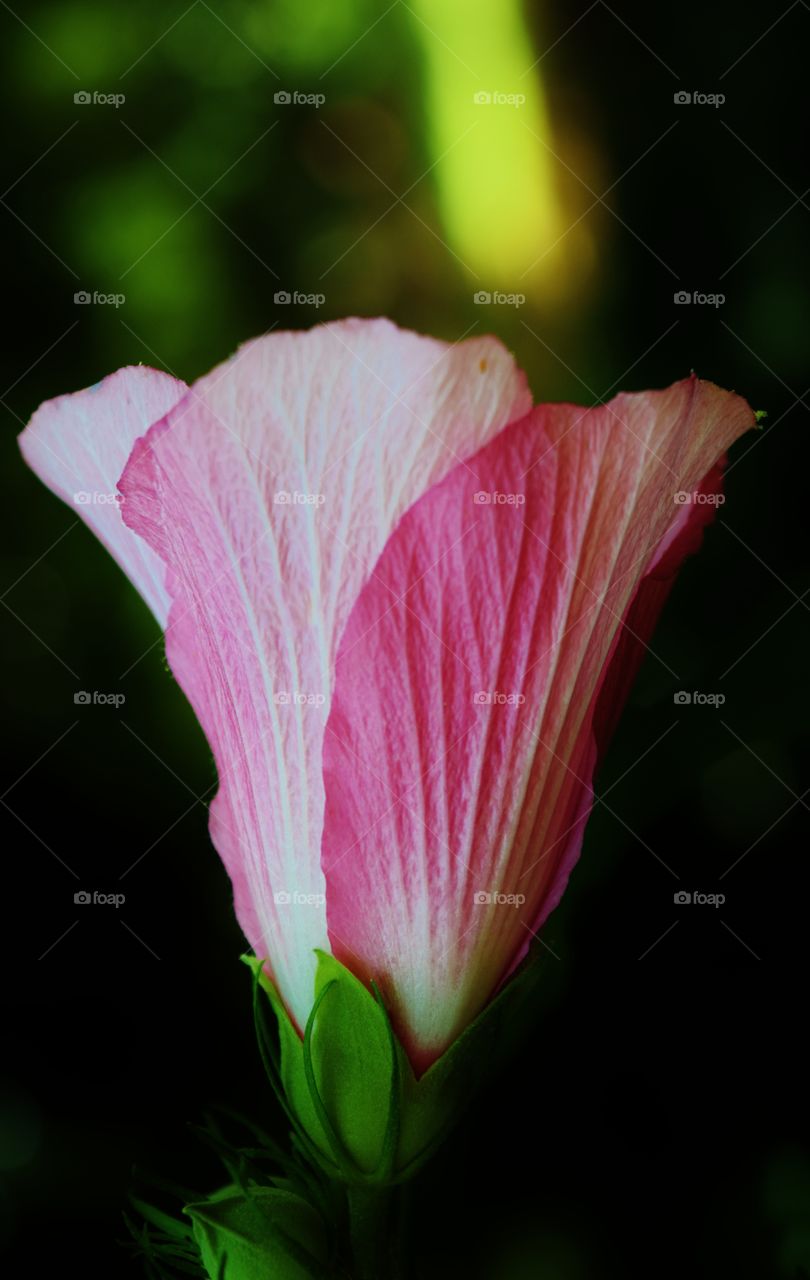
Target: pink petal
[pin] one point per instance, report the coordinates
(78, 445)
(358, 419)
(432, 796)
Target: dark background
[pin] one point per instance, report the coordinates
(655, 1123)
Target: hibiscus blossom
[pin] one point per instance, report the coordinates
(406, 607)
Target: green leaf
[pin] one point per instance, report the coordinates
(259, 1234)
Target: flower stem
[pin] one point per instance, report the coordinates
(370, 1229)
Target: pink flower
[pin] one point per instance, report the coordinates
(406, 607)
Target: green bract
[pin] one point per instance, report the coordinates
(254, 1234)
(360, 1116)
(348, 1085)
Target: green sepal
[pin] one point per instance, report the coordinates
(165, 1222)
(341, 1082)
(349, 1088)
(257, 1233)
